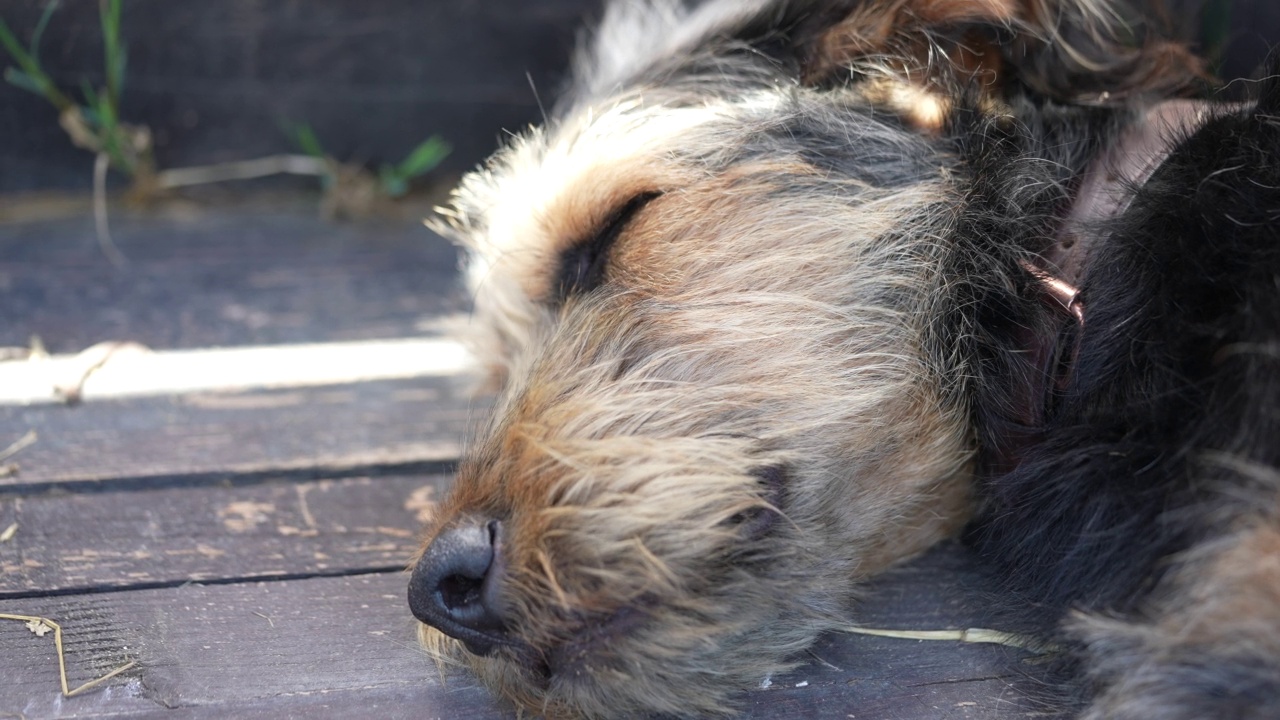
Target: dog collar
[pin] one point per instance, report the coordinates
(1057, 291)
(1050, 357)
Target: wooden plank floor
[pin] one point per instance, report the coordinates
(247, 549)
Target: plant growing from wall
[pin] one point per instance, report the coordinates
(351, 190)
(95, 125)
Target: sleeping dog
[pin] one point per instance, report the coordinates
(785, 291)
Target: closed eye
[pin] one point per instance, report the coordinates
(582, 267)
(758, 521)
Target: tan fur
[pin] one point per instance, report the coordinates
(760, 312)
(918, 39)
(1221, 608)
(631, 423)
(898, 28)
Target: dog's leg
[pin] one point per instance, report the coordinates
(1208, 649)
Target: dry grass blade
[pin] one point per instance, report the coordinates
(100, 165)
(969, 635)
(243, 170)
(33, 622)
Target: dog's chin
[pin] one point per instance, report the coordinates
(575, 657)
(643, 658)
(513, 657)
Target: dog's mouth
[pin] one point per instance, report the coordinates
(593, 640)
(587, 647)
(585, 642)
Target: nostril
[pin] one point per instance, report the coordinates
(454, 586)
(460, 592)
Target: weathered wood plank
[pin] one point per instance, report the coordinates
(887, 699)
(234, 650)
(221, 275)
(395, 703)
(115, 371)
(331, 645)
(309, 432)
(95, 541)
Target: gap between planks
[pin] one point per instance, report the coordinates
(166, 537)
(242, 649)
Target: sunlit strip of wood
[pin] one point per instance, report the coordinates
(116, 370)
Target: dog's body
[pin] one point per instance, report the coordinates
(786, 290)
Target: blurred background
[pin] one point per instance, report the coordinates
(215, 80)
(373, 107)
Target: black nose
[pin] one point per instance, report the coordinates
(454, 586)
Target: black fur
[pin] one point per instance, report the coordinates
(1177, 383)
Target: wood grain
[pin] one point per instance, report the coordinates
(334, 646)
(95, 541)
(225, 650)
(308, 433)
(206, 275)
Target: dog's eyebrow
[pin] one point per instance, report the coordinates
(582, 265)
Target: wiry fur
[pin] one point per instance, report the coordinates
(1151, 491)
(757, 303)
(639, 418)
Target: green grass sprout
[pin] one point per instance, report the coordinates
(29, 75)
(424, 158)
(304, 138)
(95, 124)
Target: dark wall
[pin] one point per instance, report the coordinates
(215, 78)
(1254, 29)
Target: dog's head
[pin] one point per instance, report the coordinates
(705, 290)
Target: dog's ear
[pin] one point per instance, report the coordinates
(917, 37)
(1084, 51)
(1103, 51)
